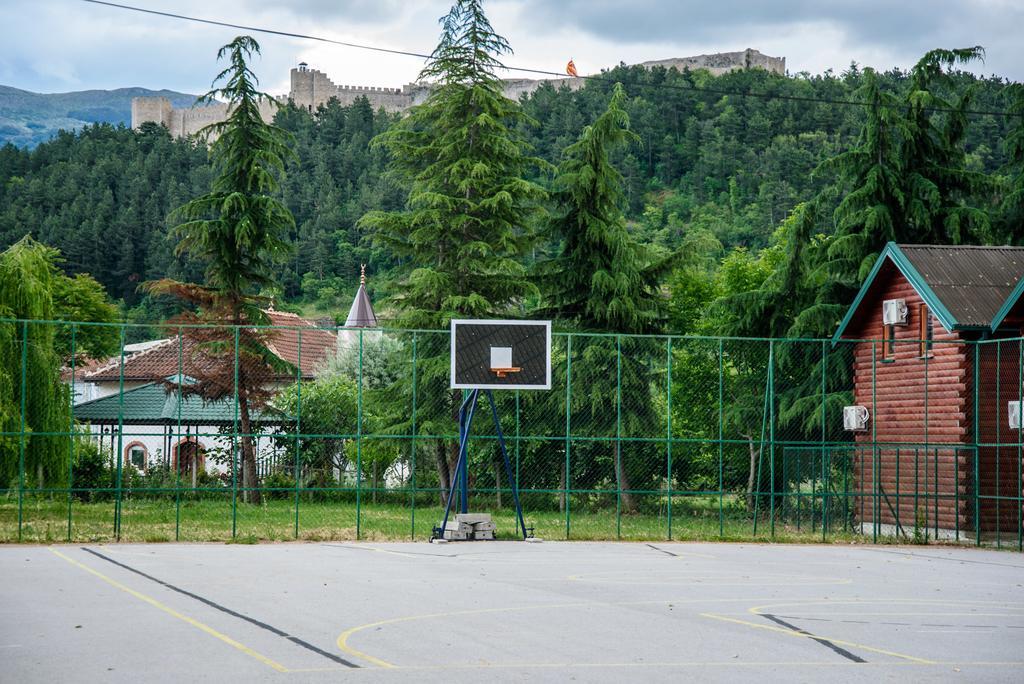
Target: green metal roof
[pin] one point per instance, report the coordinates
(152, 404)
(966, 288)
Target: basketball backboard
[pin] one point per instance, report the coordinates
(488, 354)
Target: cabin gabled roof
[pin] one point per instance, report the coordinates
(965, 287)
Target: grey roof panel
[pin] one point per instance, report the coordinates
(361, 314)
(973, 282)
(156, 404)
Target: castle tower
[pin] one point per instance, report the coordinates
(302, 86)
(152, 109)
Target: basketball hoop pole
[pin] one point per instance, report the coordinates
(466, 413)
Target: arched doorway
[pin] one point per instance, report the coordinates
(189, 459)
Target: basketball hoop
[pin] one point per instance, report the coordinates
(503, 372)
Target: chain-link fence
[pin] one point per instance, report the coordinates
(297, 431)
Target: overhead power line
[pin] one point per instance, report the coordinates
(542, 72)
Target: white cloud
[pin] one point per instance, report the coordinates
(54, 45)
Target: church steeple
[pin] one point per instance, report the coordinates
(361, 314)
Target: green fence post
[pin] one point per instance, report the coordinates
(899, 492)
(668, 430)
(771, 429)
(874, 449)
(824, 439)
(999, 446)
(518, 434)
(568, 427)
(174, 463)
(412, 449)
(927, 445)
(760, 447)
(21, 437)
(618, 437)
(721, 437)
(298, 430)
(120, 442)
(234, 449)
(71, 428)
(977, 438)
(359, 440)
(1020, 448)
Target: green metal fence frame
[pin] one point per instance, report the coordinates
(768, 444)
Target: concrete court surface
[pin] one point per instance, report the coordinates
(509, 611)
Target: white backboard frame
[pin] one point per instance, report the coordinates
(455, 322)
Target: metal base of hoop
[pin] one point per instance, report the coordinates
(460, 481)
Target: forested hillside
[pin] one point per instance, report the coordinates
(722, 170)
(27, 118)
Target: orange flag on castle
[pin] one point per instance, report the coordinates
(570, 69)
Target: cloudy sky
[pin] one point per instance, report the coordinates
(61, 45)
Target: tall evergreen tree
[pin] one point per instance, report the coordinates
(1012, 207)
(873, 210)
(941, 192)
(469, 210)
(468, 220)
(602, 280)
(238, 230)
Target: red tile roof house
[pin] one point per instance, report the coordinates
(155, 423)
(937, 375)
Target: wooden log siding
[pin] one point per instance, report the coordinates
(913, 402)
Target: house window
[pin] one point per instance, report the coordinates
(926, 330)
(137, 456)
(888, 342)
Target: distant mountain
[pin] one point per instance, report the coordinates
(27, 118)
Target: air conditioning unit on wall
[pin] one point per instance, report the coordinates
(855, 418)
(1014, 408)
(894, 312)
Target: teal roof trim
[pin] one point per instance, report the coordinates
(893, 252)
(1004, 310)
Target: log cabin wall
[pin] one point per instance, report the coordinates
(919, 405)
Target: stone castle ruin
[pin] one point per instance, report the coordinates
(311, 88)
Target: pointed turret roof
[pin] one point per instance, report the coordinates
(361, 315)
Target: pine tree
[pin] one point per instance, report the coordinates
(470, 207)
(940, 189)
(873, 212)
(602, 280)
(1012, 206)
(468, 220)
(238, 230)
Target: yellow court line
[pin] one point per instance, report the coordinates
(679, 663)
(831, 603)
(343, 638)
(839, 642)
(170, 611)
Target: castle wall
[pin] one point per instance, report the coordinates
(311, 88)
(184, 122)
(724, 62)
